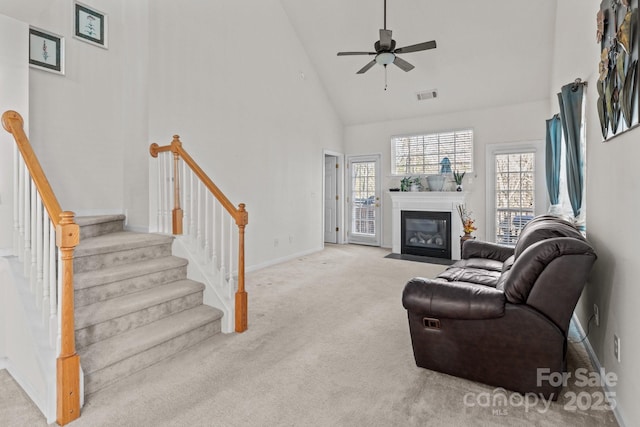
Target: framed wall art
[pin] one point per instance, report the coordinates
(90, 25)
(46, 50)
(619, 78)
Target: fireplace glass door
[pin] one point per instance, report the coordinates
(426, 233)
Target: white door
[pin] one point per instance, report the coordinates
(364, 200)
(330, 199)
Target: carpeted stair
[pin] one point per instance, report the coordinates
(134, 303)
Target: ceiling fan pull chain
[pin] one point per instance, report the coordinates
(385, 77)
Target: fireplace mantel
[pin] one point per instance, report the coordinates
(436, 201)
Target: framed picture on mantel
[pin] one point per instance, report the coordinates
(90, 25)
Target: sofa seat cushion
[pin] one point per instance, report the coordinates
(474, 270)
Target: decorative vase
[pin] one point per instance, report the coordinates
(458, 187)
(466, 236)
(436, 182)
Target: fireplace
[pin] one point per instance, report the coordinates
(427, 201)
(426, 233)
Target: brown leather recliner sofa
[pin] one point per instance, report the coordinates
(501, 315)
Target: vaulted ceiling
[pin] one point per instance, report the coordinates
(490, 53)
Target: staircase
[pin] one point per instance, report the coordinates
(134, 304)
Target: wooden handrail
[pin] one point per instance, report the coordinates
(67, 238)
(14, 124)
(239, 214)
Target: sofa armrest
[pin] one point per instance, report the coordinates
(452, 300)
(480, 249)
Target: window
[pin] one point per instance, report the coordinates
(515, 188)
(422, 154)
(515, 194)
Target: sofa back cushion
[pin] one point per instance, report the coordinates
(544, 227)
(549, 275)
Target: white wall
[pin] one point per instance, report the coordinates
(14, 95)
(514, 123)
(613, 206)
(90, 124)
(228, 78)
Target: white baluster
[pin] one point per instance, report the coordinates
(27, 224)
(222, 254)
(21, 197)
(16, 200)
(231, 284)
(206, 220)
(33, 270)
(38, 251)
(214, 242)
(186, 195)
(199, 221)
(46, 224)
(160, 192)
(167, 192)
(53, 288)
(192, 226)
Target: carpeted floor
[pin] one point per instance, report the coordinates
(327, 345)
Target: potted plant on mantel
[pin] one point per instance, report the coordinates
(458, 176)
(409, 183)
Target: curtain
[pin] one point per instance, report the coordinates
(570, 99)
(552, 157)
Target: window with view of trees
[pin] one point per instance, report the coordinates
(422, 154)
(515, 194)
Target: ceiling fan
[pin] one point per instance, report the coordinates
(386, 52)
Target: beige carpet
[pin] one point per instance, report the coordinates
(327, 345)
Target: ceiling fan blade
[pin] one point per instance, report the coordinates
(366, 67)
(404, 65)
(416, 47)
(385, 39)
(356, 53)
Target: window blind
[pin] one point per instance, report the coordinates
(422, 154)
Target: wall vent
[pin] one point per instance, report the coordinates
(428, 94)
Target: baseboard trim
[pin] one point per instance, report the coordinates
(596, 363)
(269, 263)
(97, 212)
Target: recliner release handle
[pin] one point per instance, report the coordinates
(431, 323)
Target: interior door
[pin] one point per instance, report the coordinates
(330, 199)
(364, 200)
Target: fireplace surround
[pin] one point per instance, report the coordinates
(423, 201)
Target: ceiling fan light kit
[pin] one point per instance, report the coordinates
(386, 52)
(385, 58)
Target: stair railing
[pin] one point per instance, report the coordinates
(39, 226)
(199, 215)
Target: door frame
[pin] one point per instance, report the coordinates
(541, 197)
(377, 157)
(340, 174)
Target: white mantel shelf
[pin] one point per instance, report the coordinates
(435, 201)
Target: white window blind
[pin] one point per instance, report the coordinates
(422, 154)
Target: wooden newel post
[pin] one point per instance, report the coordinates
(177, 213)
(242, 219)
(68, 363)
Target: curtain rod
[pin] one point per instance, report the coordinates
(576, 83)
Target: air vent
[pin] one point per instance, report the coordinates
(428, 94)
